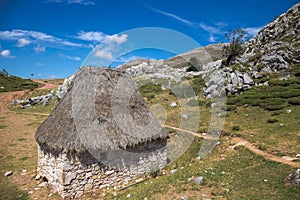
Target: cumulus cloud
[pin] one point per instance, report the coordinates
(37, 38)
(115, 38)
(104, 53)
(23, 42)
(96, 36)
(39, 48)
(91, 36)
(6, 54)
(75, 58)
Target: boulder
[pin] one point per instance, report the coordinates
(293, 178)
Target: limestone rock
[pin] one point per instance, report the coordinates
(293, 178)
(8, 173)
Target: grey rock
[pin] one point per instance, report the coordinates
(69, 177)
(43, 184)
(8, 173)
(247, 79)
(26, 106)
(293, 178)
(78, 194)
(38, 177)
(173, 104)
(88, 187)
(198, 180)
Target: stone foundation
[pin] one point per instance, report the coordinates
(73, 174)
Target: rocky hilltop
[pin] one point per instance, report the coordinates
(274, 50)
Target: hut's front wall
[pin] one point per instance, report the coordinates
(72, 176)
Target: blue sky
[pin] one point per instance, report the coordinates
(52, 38)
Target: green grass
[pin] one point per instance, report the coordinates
(2, 127)
(239, 175)
(36, 108)
(21, 139)
(262, 126)
(14, 83)
(277, 96)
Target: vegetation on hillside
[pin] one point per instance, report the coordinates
(10, 83)
(235, 38)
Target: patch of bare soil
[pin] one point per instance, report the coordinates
(46, 85)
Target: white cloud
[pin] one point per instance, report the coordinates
(115, 38)
(75, 58)
(211, 38)
(104, 53)
(251, 31)
(91, 36)
(39, 48)
(39, 74)
(23, 42)
(96, 36)
(213, 30)
(176, 17)
(81, 2)
(6, 54)
(37, 38)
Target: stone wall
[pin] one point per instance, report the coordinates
(72, 175)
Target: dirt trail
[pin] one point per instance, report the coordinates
(243, 142)
(8, 97)
(46, 85)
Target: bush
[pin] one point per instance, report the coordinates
(272, 121)
(235, 38)
(191, 68)
(236, 128)
(231, 108)
(150, 96)
(294, 101)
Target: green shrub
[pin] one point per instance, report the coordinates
(272, 120)
(294, 101)
(262, 147)
(236, 128)
(150, 96)
(192, 68)
(231, 107)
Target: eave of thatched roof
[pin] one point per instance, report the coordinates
(102, 111)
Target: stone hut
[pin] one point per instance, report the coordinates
(101, 134)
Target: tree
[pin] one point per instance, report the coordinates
(4, 72)
(235, 38)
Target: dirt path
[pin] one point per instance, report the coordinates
(243, 142)
(46, 85)
(8, 97)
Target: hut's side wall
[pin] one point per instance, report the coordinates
(50, 166)
(72, 176)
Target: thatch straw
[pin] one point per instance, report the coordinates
(102, 111)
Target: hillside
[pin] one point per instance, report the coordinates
(253, 153)
(13, 83)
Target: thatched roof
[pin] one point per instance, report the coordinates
(102, 111)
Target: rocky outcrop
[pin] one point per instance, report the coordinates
(293, 178)
(62, 89)
(276, 46)
(29, 102)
